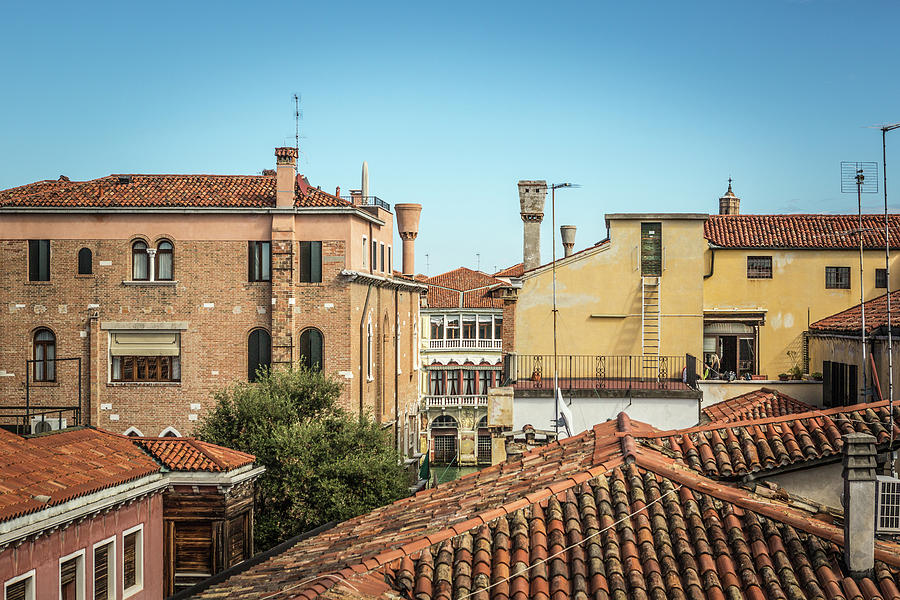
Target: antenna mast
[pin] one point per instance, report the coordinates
(297, 123)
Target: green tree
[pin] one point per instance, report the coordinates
(322, 464)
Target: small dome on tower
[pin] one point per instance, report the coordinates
(729, 204)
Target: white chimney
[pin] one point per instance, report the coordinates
(567, 233)
(859, 503)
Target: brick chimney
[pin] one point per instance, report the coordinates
(567, 233)
(408, 227)
(286, 176)
(729, 204)
(532, 195)
(859, 503)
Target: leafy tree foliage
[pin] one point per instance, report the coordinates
(322, 464)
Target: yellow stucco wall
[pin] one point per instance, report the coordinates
(797, 286)
(599, 295)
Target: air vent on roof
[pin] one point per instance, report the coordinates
(43, 425)
(124, 179)
(887, 504)
(269, 172)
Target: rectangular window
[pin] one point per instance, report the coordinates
(104, 572)
(759, 267)
(452, 327)
(436, 383)
(365, 251)
(374, 255)
(485, 327)
(382, 258)
(437, 327)
(468, 327)
(20, 588)
(469, 377)
(881, 278)
(71, 577)
(837, 278)
(38, 260)
(145, 356)
(484, 382)
(311, 262)
(390, 268)
(259, 256)
(133, 560)
(498, 328)
(453, 382)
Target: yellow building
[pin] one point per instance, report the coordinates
(735, 290)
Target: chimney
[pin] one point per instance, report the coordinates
(532, 195)
(337, 191)
(365, 180)
(567, 233)
(286, 176)
(408, 227)
(859, 503)
(729, 204)
(356, 198)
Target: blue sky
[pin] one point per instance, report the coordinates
(649, 106)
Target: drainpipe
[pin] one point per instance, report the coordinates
(362, 350)
(712, 263)
(396, 369)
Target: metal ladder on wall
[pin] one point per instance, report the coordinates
(650, 326)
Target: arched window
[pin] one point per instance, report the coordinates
(85, 262)
(443, 421)
(170, 432)
(443, 436)
(311, 349)
(259, 352)
(164, 260)
(133, 432)
(44, 355)
(140, 261)
(482, 422)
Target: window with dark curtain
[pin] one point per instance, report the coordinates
(311, 349)
(260, 261)
(311, 262)
(374, 255)
(85, 262)
(140, 261)
(164, 261)
(382, 258)
(39, 260)
(881, 278)
(44, 355)
(469, 382)
(259, 352)
(436, 383)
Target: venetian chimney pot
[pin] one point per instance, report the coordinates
(285, 177)
(859, 462)
(567, 233)
(532, 196)
(408, 227)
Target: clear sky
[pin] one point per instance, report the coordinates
(649, 106)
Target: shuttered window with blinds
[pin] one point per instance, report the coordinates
(130, 561)
(102, 587)
(19, 590)
(68, 579)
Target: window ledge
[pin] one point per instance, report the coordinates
(85, 276)
(44, 384)
(143, 384)
(165, 283)
(29, 282)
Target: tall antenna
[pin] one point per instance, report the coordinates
(297, 123)
(853, 179)
(427, 265)
(477, 261)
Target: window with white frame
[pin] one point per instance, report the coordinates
(365, 251)
(105, 569)
(145, 356)
(133, 560)
(20, 587)
(71, 576)
(467, 330)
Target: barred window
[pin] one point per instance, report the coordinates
(759, 267)
(837, 278)
(881, 278)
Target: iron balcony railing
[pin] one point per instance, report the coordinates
(535, 372)
(368, 201)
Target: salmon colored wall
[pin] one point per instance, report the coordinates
(43, 554)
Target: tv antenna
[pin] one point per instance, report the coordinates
(861, 177)
(297, 123)
(477, 261)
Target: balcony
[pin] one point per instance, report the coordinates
(367, 201)
(459, 344)
(587, 372)
(456, 401)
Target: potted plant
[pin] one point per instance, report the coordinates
(817, 376)
(796, 373)
(784, 376)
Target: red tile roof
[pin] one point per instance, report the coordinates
(189, 454)
(799, 231)
(735, 449)
(145, 191)
(64, 465)
(513, 271)
(463, 288)
(850, 320)
(595, 516)
(758, 404)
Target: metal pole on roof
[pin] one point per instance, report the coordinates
(887, 270)
(860, 177)
(553, 189)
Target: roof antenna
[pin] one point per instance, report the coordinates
(477, 262)
(427, 265)
(297, 123)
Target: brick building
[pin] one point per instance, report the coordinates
(131, 299)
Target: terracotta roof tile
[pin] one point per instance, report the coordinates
(189, 454)
(513, 271)
(146, 191)
(648, 528)
(463, 288)
(758, 404)
(64, 465)
(799, 231)
(850, 320)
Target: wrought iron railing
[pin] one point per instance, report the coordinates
(535, 371)
(368, 201)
